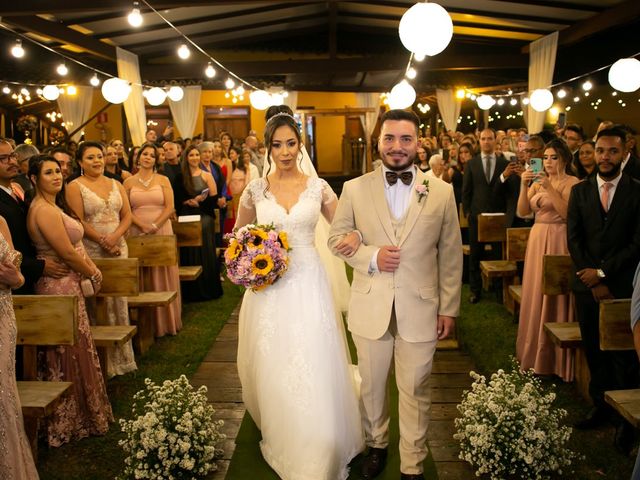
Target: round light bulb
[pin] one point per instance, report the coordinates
(175, 93)
(513, 102)
(17, 50)
(72, 90)
(624, 75)
(426, 29)
(62, 69)
(418, 57)
(485, 102)
(500, 101)
(115, 90)
(184, 52)
(95, 81)
(586, 86)
(134, 18)
(229, 84)
(541, 100)
(525, 101)
(411, 73)
(402, 95)
(6, 90)
(460, 93)
(51, 92)
(155, 96)
(210, 72)
(561, 93)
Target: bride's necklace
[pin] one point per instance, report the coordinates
(146, 183)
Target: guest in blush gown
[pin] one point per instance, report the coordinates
(151, 198)
(57, 234)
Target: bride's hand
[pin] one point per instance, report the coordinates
(349, 244)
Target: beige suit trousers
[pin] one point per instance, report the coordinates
(413, 364)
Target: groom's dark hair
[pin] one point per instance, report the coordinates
(398, 114)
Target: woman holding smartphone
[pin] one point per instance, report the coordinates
(546, 193)
(196, 194)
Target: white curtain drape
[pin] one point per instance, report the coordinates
(75, 109)
(542, 61)
(129, 70)
(369, 119)
(185, 112)
(449, 107)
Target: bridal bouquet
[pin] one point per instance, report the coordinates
(508, 428)
(257, 256)
(172, 433)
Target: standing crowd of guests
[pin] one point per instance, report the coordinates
(581, 197)
(61, 209)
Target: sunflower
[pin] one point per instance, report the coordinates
(233, 250)
(261, 265)
(284, 241)
(258, 237)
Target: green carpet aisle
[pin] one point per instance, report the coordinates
(243, 461)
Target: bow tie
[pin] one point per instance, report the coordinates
(406, 177)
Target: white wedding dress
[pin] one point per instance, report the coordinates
(292, 361)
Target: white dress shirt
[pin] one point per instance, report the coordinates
(612, 189)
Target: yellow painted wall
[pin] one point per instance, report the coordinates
(113, 127)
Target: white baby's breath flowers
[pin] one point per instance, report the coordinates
(172, 433)
(508, 427)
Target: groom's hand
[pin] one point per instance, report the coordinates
(445, 326)
(388, 258)
(349, 244)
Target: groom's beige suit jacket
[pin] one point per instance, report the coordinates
(427, 283)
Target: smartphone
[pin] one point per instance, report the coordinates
(562, 119)
(536, 166)
(205, 192)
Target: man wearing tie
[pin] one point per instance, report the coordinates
(481, 194)
(14, 210)
(603, 233)
(405, 292)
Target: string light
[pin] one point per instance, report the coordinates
(17, 50)
(184, 52)
(411, 73)
(95, 81)
(586, 86)
(62, 69)
(229, 84)
(134, 18)
(210, 72)
(561, 93)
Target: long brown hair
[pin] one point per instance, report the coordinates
(187, 180)
(35, 169)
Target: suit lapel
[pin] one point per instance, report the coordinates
(416, 204)
(618, 198)
(380, 204)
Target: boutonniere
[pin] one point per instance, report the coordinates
(422, 190)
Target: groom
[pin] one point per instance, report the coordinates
(406, 285)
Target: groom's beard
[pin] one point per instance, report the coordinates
(400, 164)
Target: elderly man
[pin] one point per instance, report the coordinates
(23, 153)
(251, 144)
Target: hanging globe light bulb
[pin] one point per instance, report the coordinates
(210, 72)
(426, 29)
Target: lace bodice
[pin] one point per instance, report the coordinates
(259, 204)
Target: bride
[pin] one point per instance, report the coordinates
(292, 361)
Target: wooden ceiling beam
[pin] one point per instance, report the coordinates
(618, 16)
(62, 34)
(333, 29)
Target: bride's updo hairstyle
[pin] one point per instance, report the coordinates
(278, 116)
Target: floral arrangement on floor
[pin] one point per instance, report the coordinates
(172, 434)
(509, 429)
(256, 256)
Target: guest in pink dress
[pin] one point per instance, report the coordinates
(151, 198)
(16, 461)
(57, 235)
(546, 194)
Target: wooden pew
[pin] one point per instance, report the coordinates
(615, 334)
(151, 251)
(188, 234)
(517, 239)
(42, 320)
(493, 229)
(120, 278)
(556, 280)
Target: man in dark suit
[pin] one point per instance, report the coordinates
(631, 162)
(14, 211)
(479, 195)
(603, 230)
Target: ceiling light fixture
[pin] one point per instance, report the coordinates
(62, 69)
(17, 50)
(95, 81)
(184, 52)
(210, 72)
(134, 18)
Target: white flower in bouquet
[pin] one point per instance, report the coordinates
(172, 434)
(508, 427)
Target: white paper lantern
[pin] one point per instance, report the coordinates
(115, 90)
(155, 96)
(260, 100)
(426, 29)
(402, 95)
(624, 75)
(51, 92)
(175, 93)
(485, 102)
(541, 100)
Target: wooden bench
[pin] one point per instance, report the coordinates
(120, 278)
(492, 229)
(556, 280)
(188, 234)
(151, 251)
(42, 320)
